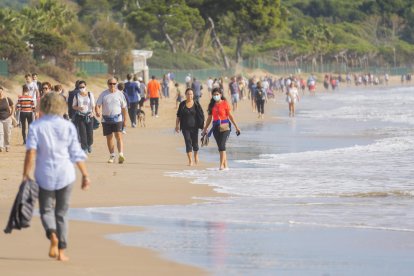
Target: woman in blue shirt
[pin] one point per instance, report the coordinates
(52, 147)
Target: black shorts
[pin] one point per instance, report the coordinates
(108, 129)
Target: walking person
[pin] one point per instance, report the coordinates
(154, 91)
(190, 118)
(113, 105)
(133, 92)
(261, 99)
(166, 86)
(143, 89)
(26, 107)
(52, 148)
(197, 88)
(179, 96)
(292, 96)
(6, 113)
(234, 92)
(219, 113)
(84, 105)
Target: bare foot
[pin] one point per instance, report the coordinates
(62, 257)
(53, 250)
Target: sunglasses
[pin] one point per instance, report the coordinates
(111, 83)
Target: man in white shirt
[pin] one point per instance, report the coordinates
(114, 113)
(210, 85)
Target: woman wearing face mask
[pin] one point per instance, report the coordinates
(219, 113)
(84, 105)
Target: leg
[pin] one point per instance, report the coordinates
(47, 216)
(194, 142)
(156, 106)
(119, 142)
(110, 143)
(152, 104)
(7, 132)
(61, 209)
(89, 135)
(81, 126)
(188, 145)
(221, 139)
(23, 118)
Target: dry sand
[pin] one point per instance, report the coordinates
(150, 152)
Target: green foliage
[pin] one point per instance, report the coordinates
(165, 59)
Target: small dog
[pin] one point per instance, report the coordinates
(141, 117)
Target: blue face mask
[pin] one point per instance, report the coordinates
(217, 98)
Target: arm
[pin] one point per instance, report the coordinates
(124, 115)
(233, 121)
(209, 119)
(98, 110)
(85, 177)
(28, 163)
(177, 125)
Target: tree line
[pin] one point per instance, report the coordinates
(220, 33)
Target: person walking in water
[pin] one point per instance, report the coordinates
(190, 118)
(219, 113)
(261, 99)
(52, 148)
(292, 96)
(114, 111)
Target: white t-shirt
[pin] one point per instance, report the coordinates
(32, 91)
(112, 104)
(210, 84)
(188, 79)
(87, 104)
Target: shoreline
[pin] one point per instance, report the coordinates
(24, 251)
(112, 185)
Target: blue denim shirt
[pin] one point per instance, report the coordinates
(57, 149)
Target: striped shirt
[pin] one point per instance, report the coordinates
(25, 103)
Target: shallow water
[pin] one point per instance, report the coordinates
(328, 192)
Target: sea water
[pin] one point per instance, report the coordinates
(329, 192)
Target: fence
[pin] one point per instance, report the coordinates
(4, 68)
(258, 63)
(92, 67)
(201, 74)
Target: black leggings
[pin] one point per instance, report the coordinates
(132, 111)
(221, 138)
(260, 106)
(190, 139)
(85, 131)
(25, 116)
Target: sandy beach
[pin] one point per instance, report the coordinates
(150, 152)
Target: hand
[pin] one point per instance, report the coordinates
(86, 183)
(98, 114)
(177, 129)
(204, 132)
(238, 131)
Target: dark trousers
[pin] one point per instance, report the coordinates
(260, 106)
(190, 139)
(154, 102)
(132, 111)
(25, 116)
(221, 138)
(85, 131)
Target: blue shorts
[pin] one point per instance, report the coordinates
(234, 98)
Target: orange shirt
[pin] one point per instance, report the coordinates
(153, 88)
(221, 111)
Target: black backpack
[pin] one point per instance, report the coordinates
(71, 96)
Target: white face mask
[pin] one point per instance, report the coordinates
(217, 98)
(82, 89)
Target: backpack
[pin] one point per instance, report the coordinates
(71, 96)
